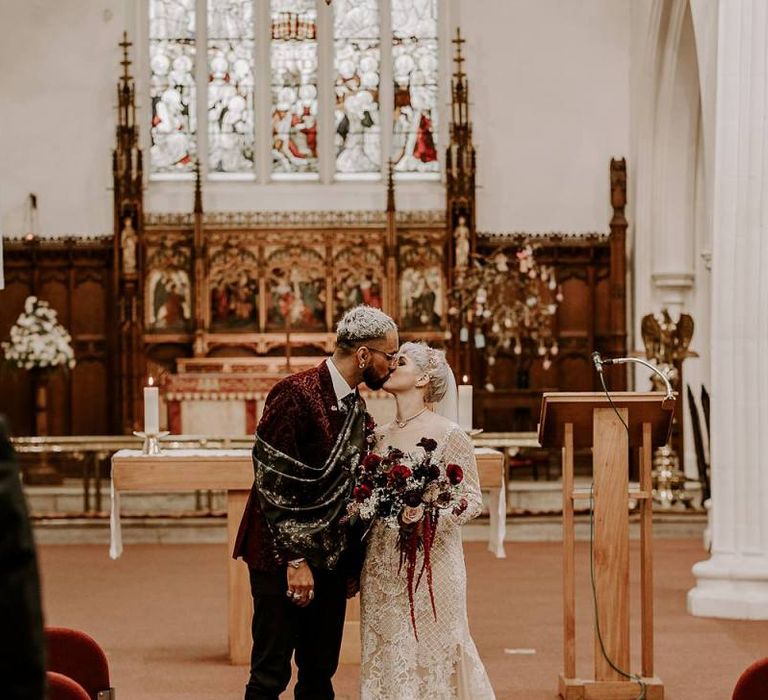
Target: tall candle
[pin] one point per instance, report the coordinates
(465, 406)
(151, 409)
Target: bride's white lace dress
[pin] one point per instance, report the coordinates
(444, 663)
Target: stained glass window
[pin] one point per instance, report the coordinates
(294, 86)
(172, 85)
(230, 86)
(415, 74)
(357, 57)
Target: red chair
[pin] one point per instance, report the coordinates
(753, 683)
(62, 687)
(78, 656)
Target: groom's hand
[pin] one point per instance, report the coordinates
(301, 585)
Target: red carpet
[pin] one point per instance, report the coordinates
(159, 612)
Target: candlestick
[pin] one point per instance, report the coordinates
(151, 409)
(465, 406)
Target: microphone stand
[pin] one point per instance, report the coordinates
(669, 399)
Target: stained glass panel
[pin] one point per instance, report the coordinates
(294, 86)
(415, 73)
(230, 86)
(356, 114)
(172, 85)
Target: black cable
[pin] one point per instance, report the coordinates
(632, 676)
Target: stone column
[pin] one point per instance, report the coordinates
(733, 583)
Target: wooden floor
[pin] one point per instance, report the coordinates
(160, 614)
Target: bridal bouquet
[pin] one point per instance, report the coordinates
(408, 494)
(38, 340)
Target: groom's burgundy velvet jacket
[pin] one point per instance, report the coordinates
(302, 420)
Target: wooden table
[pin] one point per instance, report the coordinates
(232, 471)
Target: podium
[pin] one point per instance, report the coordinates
(580, 420)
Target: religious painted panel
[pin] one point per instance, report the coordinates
(296, 289)
(422, 286)
(234, 287)
(358, 278)
(168, 289)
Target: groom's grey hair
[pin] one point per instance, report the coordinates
(361, 324)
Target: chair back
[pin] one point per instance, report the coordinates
(61, 687)
(753, 683)
(78, 656)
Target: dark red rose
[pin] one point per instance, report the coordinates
(428, 444)
(459, 509)
(371, 462)
(361, 492)
(412, 498)
(454, 473)
(433, 472)
(370, 424)
(399, 473)
(394, 454)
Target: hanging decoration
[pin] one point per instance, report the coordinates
(506, 303)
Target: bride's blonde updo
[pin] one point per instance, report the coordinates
(432, 363)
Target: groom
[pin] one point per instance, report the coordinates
(301, 570)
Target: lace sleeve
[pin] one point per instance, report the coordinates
(460, 450)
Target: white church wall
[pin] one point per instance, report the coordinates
(550, 102)
(550, 106)
(57, 87)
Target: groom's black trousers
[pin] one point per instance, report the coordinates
(281, 628)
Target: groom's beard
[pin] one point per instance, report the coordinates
(372, 380)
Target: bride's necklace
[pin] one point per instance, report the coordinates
(403, 423)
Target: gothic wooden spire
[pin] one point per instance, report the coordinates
(460, 155)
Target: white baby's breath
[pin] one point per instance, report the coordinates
(38, 340)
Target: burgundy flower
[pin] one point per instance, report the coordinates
(454, 473)
(428, 444)
(394, 454)
(371, 462)
(399, 473)
(412, 498)
(361, 492)
(370, 424)
(434, 471)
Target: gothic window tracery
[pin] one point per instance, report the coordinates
(259, 50)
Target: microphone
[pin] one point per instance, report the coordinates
(598, 361)
(669, 399)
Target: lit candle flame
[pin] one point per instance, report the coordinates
(151, 381)
(465, 379)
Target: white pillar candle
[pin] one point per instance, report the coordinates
(465, 406)
(151, 409)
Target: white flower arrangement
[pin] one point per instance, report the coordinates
(38, 340)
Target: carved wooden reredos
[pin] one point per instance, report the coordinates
(258, 284)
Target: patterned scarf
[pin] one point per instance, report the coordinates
(303, 505)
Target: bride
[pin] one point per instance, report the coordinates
(443, 663)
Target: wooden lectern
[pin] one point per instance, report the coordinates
(571, 420)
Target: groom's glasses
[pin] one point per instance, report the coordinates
(391, 356)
